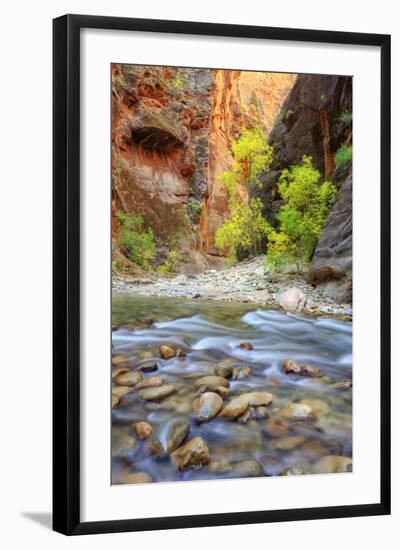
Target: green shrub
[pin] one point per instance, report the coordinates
(302, 218)
(169, 265)
(137, 241)
(343, 155)
(245, 229)
(346, 117)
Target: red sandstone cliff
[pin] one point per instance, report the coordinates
(171, 135)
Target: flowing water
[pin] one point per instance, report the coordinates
(209, 332)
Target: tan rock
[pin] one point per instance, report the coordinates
(288, 443)
(223, 369)
(332, 464)
(192, 454)
(139, 477)
(241, 372)
(212, 382)
(276, 427)
(151, 394)
(235, 407)
(259, 398)
(151, 382)
(115, 399)
(167, 352)
(318, 406)
(296, 411)
(142, 429)
(206, 406)
(130, 378)
(119, 359)
(291, 366)
(169, 435)
(120, 391)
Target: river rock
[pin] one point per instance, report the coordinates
(320, 407)
(212, 382)
(148, 365)
(120, 391)
(151, 382)
(343, 385)
(259, 398)
(192, 454)
(167, 352)
(292, 300)
(291, 366)
(235, 407)
(241, 372)
(245, 417)
(129, 378)
(296, 411)
(142, 429)
(169, 435)
(206, 406)
(260, 412)
(289, 442)
(119, 359)
(243, 468)
(123, 445)
(115, 399)
(222, 391)
(152, 394)
(276, 427)
(246, 345)
(333, 464)
(223, 370)
(138, 477)
(117, 371)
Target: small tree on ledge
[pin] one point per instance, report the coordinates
(245, 228)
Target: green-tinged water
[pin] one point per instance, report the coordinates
(208, 333)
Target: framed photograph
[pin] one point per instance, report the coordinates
(221, 274)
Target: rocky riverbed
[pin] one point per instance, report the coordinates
(214, 390)
(247, 282)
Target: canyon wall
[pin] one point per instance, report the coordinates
(311, 122)
(171, 136)
(240, 99)
(159, 142)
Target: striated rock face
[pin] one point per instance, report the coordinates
(240, 100)
(159, 155)
(311, 124)
(171, 135)
(332, 260)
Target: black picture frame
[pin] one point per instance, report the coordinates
(66, 273)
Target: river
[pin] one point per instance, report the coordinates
(211, 332)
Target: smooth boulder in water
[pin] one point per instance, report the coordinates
(332, 464)
(292, 300)
(142, 429)
(152, 394)
(235, 407)
(138, 477)
(241, 372)
(151, 382)
(296, 411)
(129, 378)
(192, 454)
(169, 435)
(206, 406)
(167, 352)
(212, 382)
